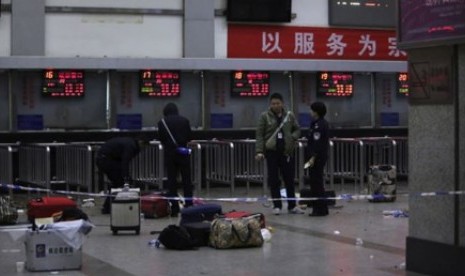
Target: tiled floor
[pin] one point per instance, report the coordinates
(300, 245)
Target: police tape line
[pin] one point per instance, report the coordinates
(346, 197)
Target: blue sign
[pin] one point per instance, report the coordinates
(389, 118)
(129, 121)
(30, 122)
(221, 120)
(305, 119)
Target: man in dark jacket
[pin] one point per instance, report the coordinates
(276, 134)
(113, 159)
(317, 155)
(174, 133)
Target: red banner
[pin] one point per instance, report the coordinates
(291, 42)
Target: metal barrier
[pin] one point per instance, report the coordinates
(6, 165)
(402, 155)
(74, 165)
(35, 164)
(246, 168)
(148, 166)
(378, 150)
(219, 162)
(222, 162)
(299, 159)
(346, 161)
(196, 165)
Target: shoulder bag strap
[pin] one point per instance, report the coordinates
(169, 132)
(280, 126)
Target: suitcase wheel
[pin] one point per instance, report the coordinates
(115, 232)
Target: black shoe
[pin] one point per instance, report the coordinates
(174, 215)
(105, 211)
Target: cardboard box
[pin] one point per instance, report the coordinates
(46, 250)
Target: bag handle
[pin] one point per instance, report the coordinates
(249, 230)
(236, 232)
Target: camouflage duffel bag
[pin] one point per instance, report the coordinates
(236, 232)
(8, 213)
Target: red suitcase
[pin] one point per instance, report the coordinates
(44, 207)
(154, 205)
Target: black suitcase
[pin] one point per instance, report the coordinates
(199, 213)
(199, 232)
(306, 193)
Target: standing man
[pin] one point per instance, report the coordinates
(317, 155)
(276, 134)
(113, 159)
(175, 132)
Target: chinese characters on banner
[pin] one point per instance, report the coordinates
(291, 42)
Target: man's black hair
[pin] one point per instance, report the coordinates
(276, 96)
(319, 108)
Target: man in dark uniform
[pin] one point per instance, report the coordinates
(174, 133)
(317, 155)
(113, 159)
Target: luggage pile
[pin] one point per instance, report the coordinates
(207, 225)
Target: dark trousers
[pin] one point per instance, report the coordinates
(112, 169)
(280, 163)
(179, 163)
(317, 187)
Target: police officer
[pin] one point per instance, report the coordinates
(317, 156)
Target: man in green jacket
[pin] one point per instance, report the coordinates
(276, 134)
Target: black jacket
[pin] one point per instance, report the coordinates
(121, 149)
(180, 129)
(318, 140)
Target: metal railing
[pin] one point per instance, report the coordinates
(6, 165)
(35, 164)
(148, 166)
(402, 155)
(219, 162)
(246, 168)
(196, 165)
(74, 165)
(345, 161)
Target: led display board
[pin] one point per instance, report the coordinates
(63, 83)
(335, 84)
(250, 84)
(159, 83)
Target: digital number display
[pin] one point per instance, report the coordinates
(402, 84)
(159, 83)
(363, 13)
(423, 23)
(335, 84)
(250, 84)
(63, 83)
